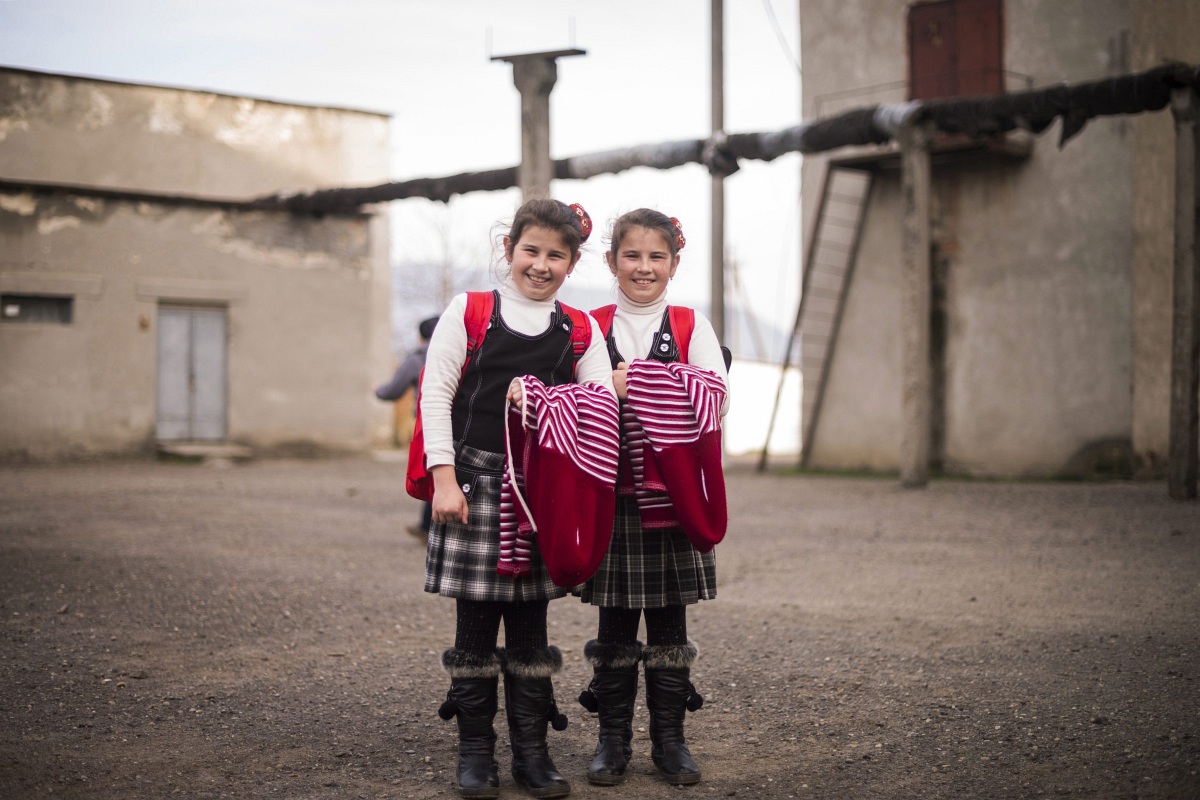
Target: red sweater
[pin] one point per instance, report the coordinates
(674, 442)
(560, 472)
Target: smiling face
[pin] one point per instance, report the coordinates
(540, 262)
(643, 264)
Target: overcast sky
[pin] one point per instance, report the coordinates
(645, 79)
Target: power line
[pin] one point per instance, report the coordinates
(783, 42)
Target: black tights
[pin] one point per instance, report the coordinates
(664, 626)
(478, 625)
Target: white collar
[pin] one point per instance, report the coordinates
(629, 306)
(513, 297)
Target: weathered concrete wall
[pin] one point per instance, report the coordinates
(860, 420)
(301, 310)
(848, 47)
(1038, 353)
(306, 300)
(1168, 30)
(76, 131)
(1038, 256)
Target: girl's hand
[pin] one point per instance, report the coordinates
(516, 392)
(449, 502)
(619, 379)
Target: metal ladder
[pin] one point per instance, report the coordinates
(828, 269)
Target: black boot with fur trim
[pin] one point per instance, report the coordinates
(612, 694)
(669, 695)
(529, 705)
(472, 698)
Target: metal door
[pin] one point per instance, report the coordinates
(955, 49)
(191, 374)
(932, 51)
(979, 30)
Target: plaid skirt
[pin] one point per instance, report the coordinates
(460, 560)
(649, 568)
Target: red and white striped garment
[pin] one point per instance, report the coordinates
(645, 485)
(559, 479)
(673, 437)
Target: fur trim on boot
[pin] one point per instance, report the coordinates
(670, 656)
(529, 705)
(612, 656)
(472, 698)
(612, 694)
(466, 664)
(540, 662)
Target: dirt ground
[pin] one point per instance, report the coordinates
(260, 630)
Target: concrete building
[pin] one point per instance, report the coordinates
(1052, 266)
(144, 301)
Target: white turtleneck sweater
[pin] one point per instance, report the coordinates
(635, 324)
(448, 350)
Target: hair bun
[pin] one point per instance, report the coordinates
(585, 222)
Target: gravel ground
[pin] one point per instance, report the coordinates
(260, 630)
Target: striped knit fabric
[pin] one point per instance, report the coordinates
(559, 480)
(674, 446)
(648, 489)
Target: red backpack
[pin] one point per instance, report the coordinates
(683, 321)
(417, 480)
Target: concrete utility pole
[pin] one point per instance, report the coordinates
(915, 180)
(1185, 328)
(718, 181)
(535, 75)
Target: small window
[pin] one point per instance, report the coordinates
(36, 308)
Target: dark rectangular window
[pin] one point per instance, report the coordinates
(36, 308)
(955, 49)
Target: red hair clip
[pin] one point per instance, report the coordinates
(585, 222)
(679, 240)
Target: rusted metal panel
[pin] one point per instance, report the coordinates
(932, 51)
(979, 31)
(956, 48)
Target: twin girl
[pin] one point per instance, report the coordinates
(646, 356)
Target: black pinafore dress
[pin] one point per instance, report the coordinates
(460, 560)
(650, 568)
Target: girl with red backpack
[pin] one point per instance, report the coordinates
(671, 376)
(464, 394)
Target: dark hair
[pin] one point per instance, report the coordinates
(426, 327)
(644, 218)
(552, 215)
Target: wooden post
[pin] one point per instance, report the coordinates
(915, 304)
(717, 256)
(1185, 328)
(535, 75)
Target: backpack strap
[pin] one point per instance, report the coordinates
(581, 333)
(604, 318)
(476, 319)
(683, 322)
